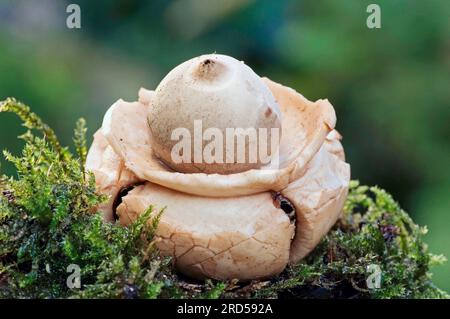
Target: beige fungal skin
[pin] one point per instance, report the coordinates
(223, 93)
(318, 197)
(227, 226)
(222, 238)
(110, 173)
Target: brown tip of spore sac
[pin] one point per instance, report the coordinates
(208, 61)
(268, 112)
(209, 70)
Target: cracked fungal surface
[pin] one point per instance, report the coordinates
(245, 237)
(247, 225)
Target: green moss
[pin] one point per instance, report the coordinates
(47, 222)
(373, 233)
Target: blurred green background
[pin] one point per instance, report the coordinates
(390, 86)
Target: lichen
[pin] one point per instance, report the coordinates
(48, 222)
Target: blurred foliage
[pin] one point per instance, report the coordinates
(390, 86)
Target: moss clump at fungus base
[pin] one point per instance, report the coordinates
(47, 223)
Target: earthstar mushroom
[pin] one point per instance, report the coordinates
(224, 221)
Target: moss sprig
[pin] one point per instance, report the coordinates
(79, 141)
(33, 122)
